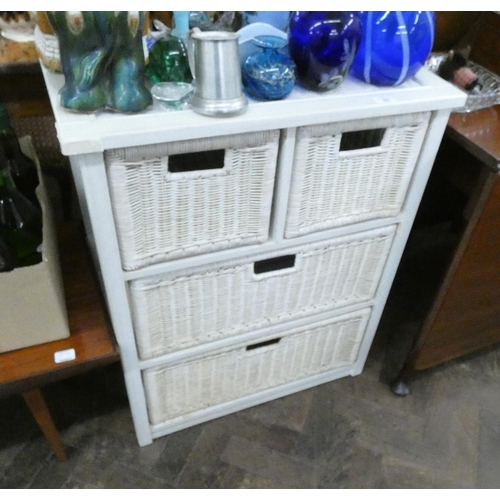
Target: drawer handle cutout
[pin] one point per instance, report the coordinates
(202, 160)
(361, 139)
(274, 264)
(263, 344)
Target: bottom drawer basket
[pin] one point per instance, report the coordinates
(182, 388)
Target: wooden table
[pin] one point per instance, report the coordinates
(17, 56)
(26, 370)
(465, 315)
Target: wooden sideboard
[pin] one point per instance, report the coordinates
(465, 314)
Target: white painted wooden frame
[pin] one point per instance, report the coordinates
(84, 138)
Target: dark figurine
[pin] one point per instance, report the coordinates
(102, 60)
(129, 92)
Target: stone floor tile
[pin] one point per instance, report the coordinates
(203, 464)
(464, 444)
(229, 477)
(253, 481)
(290, 412)
(54, 474)
(270, 464)
(100, 443)
(327, 433)
(404, 475)
(175, 452)
(110, 474)
(366, 471)
(488, 470)
(275, 437)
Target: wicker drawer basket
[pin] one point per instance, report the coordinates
(183, 388)
(184, 309)
(350, 172)
(207, 203)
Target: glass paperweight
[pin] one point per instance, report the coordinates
(172, 95)
(168, 61)
(269, 74)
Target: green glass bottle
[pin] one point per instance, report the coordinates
(20, 222)
(22, 168)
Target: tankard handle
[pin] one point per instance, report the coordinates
(191, 50)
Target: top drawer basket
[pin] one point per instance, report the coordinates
(350, 172)
(183, 198)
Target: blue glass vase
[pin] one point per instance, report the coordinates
(394, 47)
(323, 46)
(269, 74)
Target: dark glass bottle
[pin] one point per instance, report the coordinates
(22, 168)
(20, 222)
(8, 257)
(454, 69)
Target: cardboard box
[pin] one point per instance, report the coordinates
(32, 303)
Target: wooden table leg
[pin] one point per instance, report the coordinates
(38, 408)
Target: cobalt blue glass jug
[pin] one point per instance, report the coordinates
(323, 46)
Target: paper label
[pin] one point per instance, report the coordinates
(385, 100)
(63, 356)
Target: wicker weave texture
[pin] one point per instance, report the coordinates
(331, 187)
(162, 215)
(48, 50)
(174, 312)
(183, 388)
(43, 132)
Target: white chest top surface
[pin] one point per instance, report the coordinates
(81, 133)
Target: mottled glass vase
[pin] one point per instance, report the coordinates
(323, 46)
(394, 47)
(269, 74)
(102, 59)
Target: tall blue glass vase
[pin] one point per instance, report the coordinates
(394, 46)
(323, 46)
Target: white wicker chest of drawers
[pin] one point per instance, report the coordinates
(246, 258)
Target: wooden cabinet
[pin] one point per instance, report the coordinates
(465, 314)
(260, 265)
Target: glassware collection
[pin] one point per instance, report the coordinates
(120, 61)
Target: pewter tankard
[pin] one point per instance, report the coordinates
(215, 64)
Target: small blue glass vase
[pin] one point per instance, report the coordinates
(394, 47)
(323, 46)
(269, 74)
